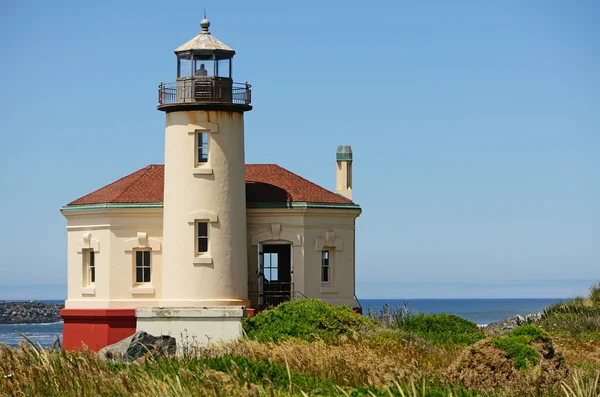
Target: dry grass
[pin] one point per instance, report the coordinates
(29, 372)
(354, 363)
(484, 367)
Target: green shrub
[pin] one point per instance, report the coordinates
(595, 294)
(517, 345)
(578, 318)
(442, 329)
(306, 319)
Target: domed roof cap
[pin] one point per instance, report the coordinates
(344, 152)
(205, 42)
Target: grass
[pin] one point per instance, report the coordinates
(309, 348)
(577, 319)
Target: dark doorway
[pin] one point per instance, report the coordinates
(275, 275)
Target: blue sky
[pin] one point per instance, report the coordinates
(475, 128)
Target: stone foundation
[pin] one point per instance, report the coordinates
(197, 325)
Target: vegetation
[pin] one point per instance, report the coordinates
(306, 319)
(517, 345)
(306, 347)
(578, 318)
(443, 329)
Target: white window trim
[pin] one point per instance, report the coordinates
(203, 258)
(137, 285)
(329, 260)
(86, 279)
(199, 168)
(332, 244)
(87, 243)
(142, 242)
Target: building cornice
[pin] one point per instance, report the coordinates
(303, 205)
(107, 206)
(273, 205)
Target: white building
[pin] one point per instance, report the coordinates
(193, 244)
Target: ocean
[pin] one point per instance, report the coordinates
(480, 311)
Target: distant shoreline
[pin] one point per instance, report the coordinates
(30, 312)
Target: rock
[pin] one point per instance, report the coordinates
(140, 344)
(508, 324)
(116, 351)
(29, 312)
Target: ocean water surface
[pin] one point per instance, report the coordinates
(480, 311)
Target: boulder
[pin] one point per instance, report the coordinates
(138, 345)
(508, 324)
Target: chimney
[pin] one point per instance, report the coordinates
(343, 174)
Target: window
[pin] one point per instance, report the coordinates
(89, 267)
(325, 276)
(271, 266)
(202, 237)
(142, 266)
(202, 145)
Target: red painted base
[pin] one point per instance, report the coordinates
(96, 328)
(357, 310)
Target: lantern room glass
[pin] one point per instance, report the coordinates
(201, 65)
(184, 65)
(224, 68)
(204, 66)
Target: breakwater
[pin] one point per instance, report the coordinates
(25, 312)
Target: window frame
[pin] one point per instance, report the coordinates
(89, 267)
(201, 145)
(143, 266)
(197, 237)
(326, 266)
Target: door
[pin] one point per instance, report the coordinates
(275, 275)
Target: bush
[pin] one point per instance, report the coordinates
(595, 294)
(442, 329)
(517, 345)
(306, 319)
(578, 318)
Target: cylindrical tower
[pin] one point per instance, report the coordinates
(204, 225)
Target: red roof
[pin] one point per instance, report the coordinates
(265, 183)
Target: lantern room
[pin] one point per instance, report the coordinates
(204, 56)
(204, 74)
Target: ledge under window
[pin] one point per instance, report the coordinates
(142, 290)
(88, 291)
(327, 289)
(202, 171)
(202, 260)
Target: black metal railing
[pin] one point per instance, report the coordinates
(204, 90)
(273, 294)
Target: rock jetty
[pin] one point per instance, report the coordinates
(29, 312)
(508, 324)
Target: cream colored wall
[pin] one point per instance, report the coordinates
(213, 192)
(310, 230)
(113, 234)
(343, 178)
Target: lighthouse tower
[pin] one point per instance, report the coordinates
(204, 274)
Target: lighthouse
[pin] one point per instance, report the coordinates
(204, 275)
(190, 247)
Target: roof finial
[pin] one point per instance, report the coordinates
(205, 23)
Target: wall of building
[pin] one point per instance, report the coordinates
(212, 192)
(309, 231)
(114, 235)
